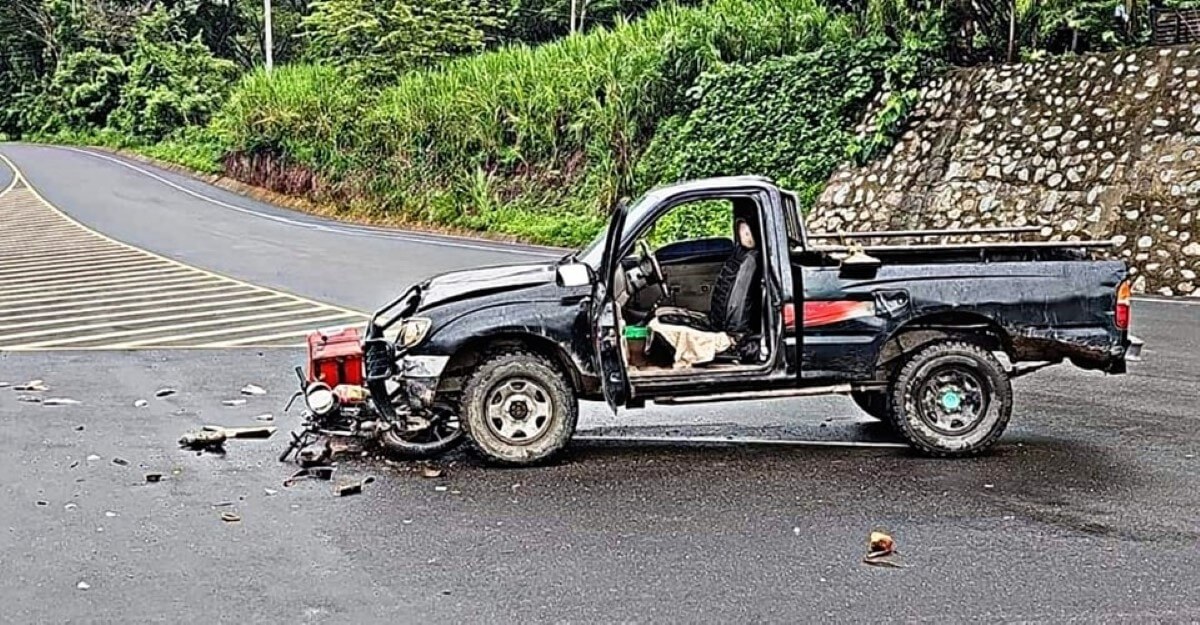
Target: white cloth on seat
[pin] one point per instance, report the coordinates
(692, 346)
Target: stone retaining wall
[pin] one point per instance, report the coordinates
(1097, 146)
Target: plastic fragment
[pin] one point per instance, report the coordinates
(141, 403)
(233, 403)
(266, 418)
(29, 399)
(83, 586)
(32, 386)
(60, 401)
(431, 472)
(353, 488)
(253, 389)
(164, 392)
(154, 478)
(120, 462)
(230, 517)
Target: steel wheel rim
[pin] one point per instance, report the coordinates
(952, 400)
(518, 411)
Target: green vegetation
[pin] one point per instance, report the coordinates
(497, 115)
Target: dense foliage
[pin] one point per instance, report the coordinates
(525, 117)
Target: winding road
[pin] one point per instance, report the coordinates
(1087, 511)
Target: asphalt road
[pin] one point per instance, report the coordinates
(1085, 512)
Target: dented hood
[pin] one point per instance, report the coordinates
(461, 285)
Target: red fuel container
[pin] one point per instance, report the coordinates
(335, 356)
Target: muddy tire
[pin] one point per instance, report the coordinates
(518, 409)
(874, 403)
(951, 399)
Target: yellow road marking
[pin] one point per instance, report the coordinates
(264, 326)
(166, 285)
(259, 340)
(78, 269)
(209, 292)
(190, 315)
(51, 286)
(179, 277)
(57, 317)
(76, 250)
(61, 260)
(298, 315)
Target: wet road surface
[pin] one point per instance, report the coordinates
(1086, 511)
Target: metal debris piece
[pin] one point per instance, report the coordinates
(316, 473)
(270, 491)
(222, 504)
(110, 514)
(353, 488)
(441, 489)
(120, 462)
(5, 385)
(93, 457)
(70, 506)
(431, 472)
(202, 439)
(60, 401)
(230, 517)
(42, 502)
(32, 386)
(253, 389)
(233, 403)
(29, 399)
(247, 432)
(265, 418)
(164, 392)
(74, 464)
(83, 585)
(154, 478)
(79, 428)
(141, 403)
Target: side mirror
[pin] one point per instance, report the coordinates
(574, 275)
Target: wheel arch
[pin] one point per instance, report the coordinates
(474, 350)
(923, 330)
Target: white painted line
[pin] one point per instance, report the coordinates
(313, 321)
(153, 275)
(260, 340)
(145, 273)
(440, 240)
(149, 321)
(27, 228)
(9, 256)
(718, 440)
(60, 259)
(43, 248)
(299, 316)
(209, 292)
(75, 315)
(174, 284)
(80, 269)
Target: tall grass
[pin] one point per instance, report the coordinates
(507, 139)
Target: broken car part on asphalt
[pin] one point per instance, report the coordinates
(353, 488)
(880, 549)
(310, 473)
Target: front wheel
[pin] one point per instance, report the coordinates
(951, 399)
(518, 409)
(432, 435)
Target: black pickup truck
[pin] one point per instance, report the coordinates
(924, 336)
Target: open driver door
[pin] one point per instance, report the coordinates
(605, 318)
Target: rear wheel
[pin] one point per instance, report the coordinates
(951, 399)
(518, 409)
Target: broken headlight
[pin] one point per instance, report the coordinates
(412, 331)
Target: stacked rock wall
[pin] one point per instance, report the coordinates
(1092, 147)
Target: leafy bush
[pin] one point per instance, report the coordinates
(173, 82)
(85, 89)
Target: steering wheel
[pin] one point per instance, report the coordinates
(649, 264)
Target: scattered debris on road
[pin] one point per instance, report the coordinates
(70, 506)
(5, 384)
(42, 502)
(230, 517)
(32, 386)
(154, 478)
(242, 432)
(60, 401)
(253, 390)
(353, 488)
(141, 403)
(83, 586)
(315, 473)
(164, 392)
(93, 457)
(79, 428)
(29, 399)
(441, 489)
(270, 492)
(265, 418)
(880, 549)
(234, 403)
(203, 440)
(120, 461)
(431, 472)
